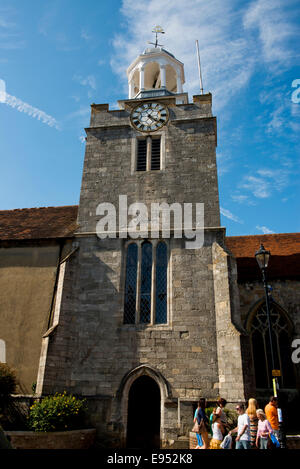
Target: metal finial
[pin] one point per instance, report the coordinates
(157, 30)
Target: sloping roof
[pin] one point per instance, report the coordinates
(38, 223)
(61, 222)
(285, 244)
(285, 255)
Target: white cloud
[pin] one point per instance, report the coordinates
(9, 34)
(226, 32)
(265, 182)
(257, 186)
(273, 21)
(265, 229)
(226, 213)
(242, 199)
(89, 81)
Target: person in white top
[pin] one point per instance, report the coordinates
(217, 432)
(242, 429)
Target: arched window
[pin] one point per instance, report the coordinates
(145, 299)
(130, 285)
(261, 350)
(146, 282)
(161, 283)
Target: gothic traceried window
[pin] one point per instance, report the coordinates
(146, 279)
(146, 282)
(161, 283)
(130, 286)
(261, 351)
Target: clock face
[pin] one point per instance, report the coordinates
(149, 117)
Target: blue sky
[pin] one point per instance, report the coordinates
(59, 56)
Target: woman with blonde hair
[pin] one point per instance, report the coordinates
(251, 411)
(264, 429)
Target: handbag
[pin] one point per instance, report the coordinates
(199, 427)
(196, 427)
(227, 442)
(274, 440)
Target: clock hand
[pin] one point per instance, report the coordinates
(153, 118)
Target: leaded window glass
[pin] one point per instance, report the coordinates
(261, 350)
(146, 279)
(161, 283)
(130, 284)
(146, 282)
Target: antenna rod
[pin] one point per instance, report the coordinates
(199, 67)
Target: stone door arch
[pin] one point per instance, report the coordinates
(131, 386)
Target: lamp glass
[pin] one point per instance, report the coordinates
(262, 257)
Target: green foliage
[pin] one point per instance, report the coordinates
(230, 414)
(57, 413)
(232, 417)
(8, 381)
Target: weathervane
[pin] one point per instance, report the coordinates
(157, 30)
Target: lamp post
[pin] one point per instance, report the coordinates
(262, 256)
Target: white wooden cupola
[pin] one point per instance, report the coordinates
(155, 73)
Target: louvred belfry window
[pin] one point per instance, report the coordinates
(141, 155)
(148, 154)
(155, 154)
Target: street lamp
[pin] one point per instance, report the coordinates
(262, 256)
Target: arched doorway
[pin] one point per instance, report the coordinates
(143, 421)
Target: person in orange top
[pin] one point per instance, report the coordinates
(271, 414)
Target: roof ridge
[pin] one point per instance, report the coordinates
(38, 208)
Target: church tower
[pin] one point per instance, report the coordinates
(144, 321)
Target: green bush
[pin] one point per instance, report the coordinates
(230, 414)
(8, 381)
(57, 413)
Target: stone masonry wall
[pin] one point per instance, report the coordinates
(91, 351)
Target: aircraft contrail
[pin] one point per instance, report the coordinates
(21, 106)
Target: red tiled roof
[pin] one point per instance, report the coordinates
(38, 223)
(285, 255)
(285, 244)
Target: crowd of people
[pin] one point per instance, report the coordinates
(255, 427)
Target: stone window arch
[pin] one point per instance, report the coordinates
(282, 331)
(146, 282)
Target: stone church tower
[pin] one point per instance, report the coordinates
(142, 323)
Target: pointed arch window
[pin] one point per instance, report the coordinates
(130, 285)
(161, 283)
(146, 282)
(260, 345)
(145, 299)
